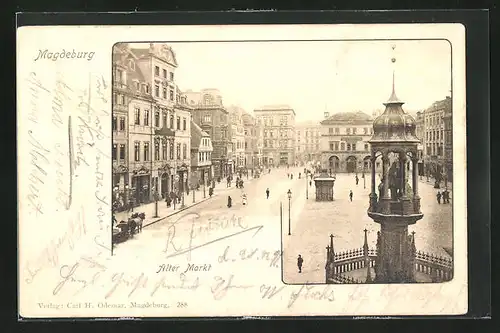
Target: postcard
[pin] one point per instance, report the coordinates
(241, 170)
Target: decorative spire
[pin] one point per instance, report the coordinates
(331, 244)
(393, 99)
(365, 244)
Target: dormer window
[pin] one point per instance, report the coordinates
(131, 65)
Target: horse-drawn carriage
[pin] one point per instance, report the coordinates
(126, 229)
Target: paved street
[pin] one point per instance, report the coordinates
(346, 221)
(211, 219)
(311, 222)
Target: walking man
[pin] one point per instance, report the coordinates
(299, 263)
(357, 180)
(350, 195)
(438, 197)
(267, 193)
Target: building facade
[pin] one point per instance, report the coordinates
(201, 156)
(307, 142)
(120, 111)
(253, 141)
(237, 137)
(210, 114)
(278, 125)
(436, 161)
(420, 133)
(344, 142)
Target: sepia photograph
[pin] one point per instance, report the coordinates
(349, 155)
(242, 170)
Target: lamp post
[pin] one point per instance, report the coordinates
(204, 184)
(307, 187)
(193, 189)
(364, 180)
(289, 219)
(156, 203)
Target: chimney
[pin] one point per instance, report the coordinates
(327, 114)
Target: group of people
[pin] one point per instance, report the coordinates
(445, 195)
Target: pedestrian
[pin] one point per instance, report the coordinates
(288, 175)
(350, 195)
(357, 180)
(300, 261)
(446, 196)
(291, 176)
(267, 193)
(229, 201)
(438, 197)
(310, 183)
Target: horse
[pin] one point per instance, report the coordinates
(137, 219)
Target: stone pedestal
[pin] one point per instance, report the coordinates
(393, 264)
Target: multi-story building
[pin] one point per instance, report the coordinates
(278, 123)
(435, 139)
(152, 106)
(237, 136)
(253, 141)
(121, 99)
(448, 141)
(344, 142)
(420, 133)
(201, 155)
(210, 114)
(307, 142)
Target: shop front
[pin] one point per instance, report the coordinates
(141, 185)
(165, 180)
(182, 172)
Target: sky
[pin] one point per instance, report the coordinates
(314, 77)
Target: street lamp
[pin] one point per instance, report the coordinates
(156, 203)
(364, 180)
(289, 219)
(204, 184)
(307, 187)
(193, 189)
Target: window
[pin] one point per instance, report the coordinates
(157, 90)
(336, 146)
(330, 130)
(146, 118)
(123, 99)
(122, 123)
(331, 146)
(366, 146)
(348, 147)
(171, 95)
(157, 71)
(113, 152)
(137, 86)
(184, 151)
(164, 150)
(171, 76)
(114, 124)
(353, 147)
(137, 155)
(342, 146)
(178, 123)
(206, 118)
(365, 130)
(157, 118)
(171, 121)
(137, 116)
(171, 150)
(164, 118)
(337, 130)
(354, 130)
(146, 151)
(246, 145)
(165, 73)
(147, 88)
(184, 124)
(157, 151)
(164, 93)
(348, 131)
(122, 152)
(178, 151)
